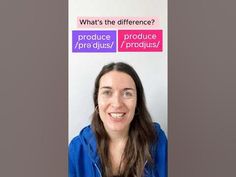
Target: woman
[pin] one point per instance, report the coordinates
(122, 140)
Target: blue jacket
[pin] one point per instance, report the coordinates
(85, 162)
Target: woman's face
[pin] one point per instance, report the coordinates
(116, 101)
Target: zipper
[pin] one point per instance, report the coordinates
(145, 163)
(145, 169)
(98, 170)
(148, 173)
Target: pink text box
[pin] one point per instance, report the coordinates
(140, 41)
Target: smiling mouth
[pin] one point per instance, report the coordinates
(117, 115)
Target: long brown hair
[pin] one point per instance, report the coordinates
(141, 131)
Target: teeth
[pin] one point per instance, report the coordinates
(117, 115)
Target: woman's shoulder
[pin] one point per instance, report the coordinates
(157, 127)
(160, 151)
(160, 133)
(82, 137)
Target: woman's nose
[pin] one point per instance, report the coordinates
(116, 100)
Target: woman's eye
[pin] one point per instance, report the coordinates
(106, 92)
(128, 94)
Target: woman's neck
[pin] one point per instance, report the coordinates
(116, 152)
(117, 145)
(118, 136)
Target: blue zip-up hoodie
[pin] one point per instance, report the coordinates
(84, 160)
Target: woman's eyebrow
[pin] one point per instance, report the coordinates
(129, 88)
(105, 87)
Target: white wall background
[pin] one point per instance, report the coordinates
(84, 67)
